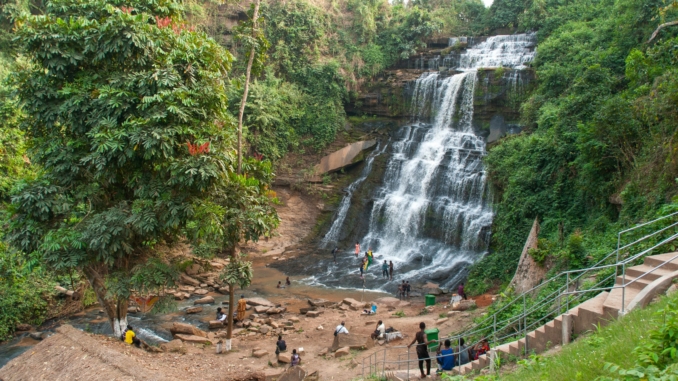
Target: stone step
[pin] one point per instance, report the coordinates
(466, 368)
(481, 363)
(636, 271)
(587, 315)
(613, 303)
(637, 284)
(657, 260)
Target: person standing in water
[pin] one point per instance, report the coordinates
(334, 254)
(390, 269)
(357, 249)
(422, 350)
(384, 270)
(460, 291)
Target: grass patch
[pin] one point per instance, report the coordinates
(585, 358)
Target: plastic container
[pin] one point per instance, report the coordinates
(430, 300)
(432, 334)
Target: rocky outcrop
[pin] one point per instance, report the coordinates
(529, 273)
(187, 329)
(344, 157)
(351, 341)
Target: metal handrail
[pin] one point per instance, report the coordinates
(574, 295)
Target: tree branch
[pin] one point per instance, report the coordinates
(660, 27)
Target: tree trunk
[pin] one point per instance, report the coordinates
(247, 87)
(231, 305)
(116, 310)
(660, 27)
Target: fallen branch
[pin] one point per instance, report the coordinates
(660, 27)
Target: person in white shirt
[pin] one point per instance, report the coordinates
(340, 329)
(220, 315)
(379, 332)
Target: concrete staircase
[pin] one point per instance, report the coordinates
(586, 316)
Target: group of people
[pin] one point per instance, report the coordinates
(238, 315)
(287, 283)
(446, 357)
(404, 290)
(386, 267)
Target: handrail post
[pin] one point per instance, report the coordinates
(525, 322)
(494, 330)
(383, 366)
(567, 293)
(621, 313)
(408, 363)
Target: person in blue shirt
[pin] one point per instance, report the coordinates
(445, 358)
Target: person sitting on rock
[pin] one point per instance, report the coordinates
(445, 357)
(131, 337)
(481, 348)
(280, 346)
(220, 315)
(296, 360)
(287, 282)
(379, 332)
(341, 328)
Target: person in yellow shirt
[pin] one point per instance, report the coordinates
(242, 307)
(131, 337)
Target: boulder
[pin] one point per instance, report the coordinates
(295, 373)
(186, 329)
(464, 305)
(193, 339)
(442, 320)
(193, 310)
(304, 311)
(320, 328)
(352, 341)
(388, 301)
(351, 301)
(285, 357)
(264, 329)
(133, 310)
(313, 313)
(223, 290)
(205, 300)
(276, 310)
(342, 352)
(451, 313)
(259, 353)
(175, 345)
(294, 319)
(193, 269)
(343, 157)
(323, 352)
(23, 327)
(319, 303)
(216, 324)
(201, 291)
(185, 279)
(38, 335)
(259, 302)
(181, 296)
(261, 309)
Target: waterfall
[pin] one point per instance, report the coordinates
(332, 235)
(432, 213)
(512, 51)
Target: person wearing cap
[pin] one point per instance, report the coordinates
(242, 307)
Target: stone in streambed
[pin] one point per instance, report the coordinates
(193, 310)
(186, 329)
(205, 300)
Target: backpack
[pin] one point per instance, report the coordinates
(336, 332)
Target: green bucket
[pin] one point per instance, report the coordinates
(432, 334)
(430, 300)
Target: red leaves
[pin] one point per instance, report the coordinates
(194, 149)
(164, 22)
(127, 10)
(258, 156)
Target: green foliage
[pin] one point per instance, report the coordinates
(657, 357)
(238, 273)
(596, 153)
(120, 105)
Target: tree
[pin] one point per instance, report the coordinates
(125, 114)
(238, 209)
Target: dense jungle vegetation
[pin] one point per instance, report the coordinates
(597, 152)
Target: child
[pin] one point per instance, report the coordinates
(296, 360)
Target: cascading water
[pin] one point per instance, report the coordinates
(432, 215)
(333, 234)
